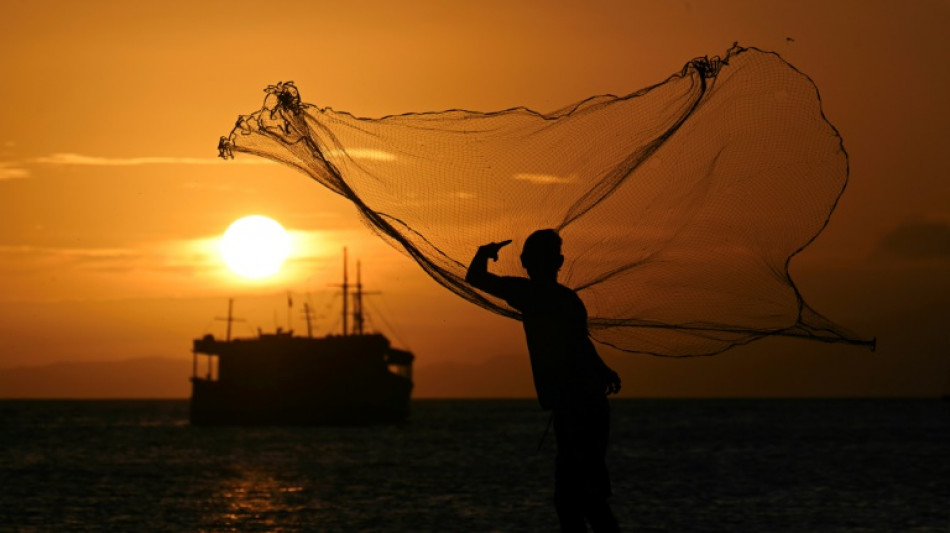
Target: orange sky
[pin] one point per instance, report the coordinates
(111, 197)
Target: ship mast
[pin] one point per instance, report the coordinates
(230, 317)
(358, 316)
(358, 303)
(345, 295)
(290, 309)
(309, 316)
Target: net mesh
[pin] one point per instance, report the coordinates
(679, 205)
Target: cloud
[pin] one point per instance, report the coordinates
(544, 179)
(80, 254)
(10, 172)
(89, 160)
(917, 239)
(370, 154)
(72, 159)
(170, 256)
(199, 186)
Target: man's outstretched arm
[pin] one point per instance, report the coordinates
(478, 274)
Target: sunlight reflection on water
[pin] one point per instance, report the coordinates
(849, 465)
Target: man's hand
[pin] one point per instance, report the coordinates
(478, 274)
(611, 382)
(490, 250)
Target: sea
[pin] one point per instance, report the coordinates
(802, 465)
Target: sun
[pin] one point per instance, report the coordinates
(255, 246)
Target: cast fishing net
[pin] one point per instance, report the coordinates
(679, 205)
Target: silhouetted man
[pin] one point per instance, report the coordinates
(569, 376)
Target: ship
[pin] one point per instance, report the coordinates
(354, 377)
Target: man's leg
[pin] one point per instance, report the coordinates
(596, 432)
(600, 516)
(570, 512)
(568, 472)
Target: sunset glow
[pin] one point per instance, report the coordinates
(115, 203)
(255, 246)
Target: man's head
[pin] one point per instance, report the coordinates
(541, 255)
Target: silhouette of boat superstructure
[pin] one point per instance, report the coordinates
(352, 378)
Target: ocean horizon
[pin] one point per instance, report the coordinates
(690, 465)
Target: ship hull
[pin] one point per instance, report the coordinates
(286, 380)
(217, 404)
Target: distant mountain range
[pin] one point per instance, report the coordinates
(502, 376)
(165, 377)
(148, 377)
